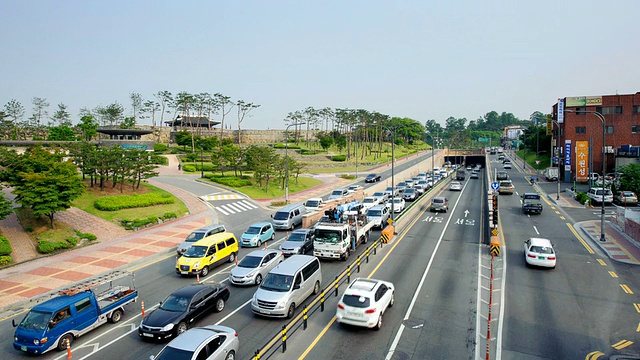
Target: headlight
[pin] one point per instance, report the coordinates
(195, 266)
(36, 341)
(250, 274)
(281, 304)
(167, 327)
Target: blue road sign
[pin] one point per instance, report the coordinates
(495, 186)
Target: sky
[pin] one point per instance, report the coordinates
(416, 59)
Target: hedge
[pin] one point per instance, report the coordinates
(188, 168)
(4, 260)
(160, 147)
(159, 160)
(230, 181)
(5, 246)
(45, 247)
(88, 236)
(114, 203)
(282, 146)
(130, 224)
(339, 158)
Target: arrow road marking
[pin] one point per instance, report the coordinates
(466, 213)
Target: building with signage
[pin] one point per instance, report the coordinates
(578, 130)
(125, 138)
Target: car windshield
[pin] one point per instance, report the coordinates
(277, 282)
(397, 200)
(252, 230)
(374, 213)
(505, 183)
(409, 191)
(312, 203)
(438, 201)
(250, 262)
(175, 303)
(356, 301)
(627, 194)
(532, 196)
(541, 249)
(296, 237)
(281, 215)
(195, 236)
(378, 194)
(368, 201)
(371, 176)
(337, 193)
(171, 353)
(327, 236)
(196, 251)
(37, 320)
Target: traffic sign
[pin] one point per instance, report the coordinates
(494, 232)
(495, 186)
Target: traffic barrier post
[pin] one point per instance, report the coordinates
(198, 278)
(284, 338)
(142, 303)
(68, 348)
(367, 255)
(494, 248)
(322, 302)
(304, 319)
(335, 285)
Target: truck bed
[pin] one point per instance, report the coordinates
(116, 297)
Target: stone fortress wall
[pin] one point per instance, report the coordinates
(163, 135)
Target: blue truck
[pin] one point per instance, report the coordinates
(57, 322)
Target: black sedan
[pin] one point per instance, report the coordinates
(371, 178)
(181, 309)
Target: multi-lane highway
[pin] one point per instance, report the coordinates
(438, 264)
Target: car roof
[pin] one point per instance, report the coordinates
(361, 285)
(191, 339)
(439, 198)
(372, 174)
(292, 264)
(210, 227)
(260, 253)
(302, 231)
(540, 242)
(377, 207)
(314, 199)
(60, 301)
(260, 224)
(190, 290)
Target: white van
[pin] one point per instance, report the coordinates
(288, 217)
(287, 286)
(379, 215)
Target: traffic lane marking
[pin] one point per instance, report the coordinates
(584, 243)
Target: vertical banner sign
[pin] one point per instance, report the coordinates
(560, 111)
(549, 124)
(582, 161)
(567, 155)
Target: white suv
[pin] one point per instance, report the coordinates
(364, 302)
(595, 194)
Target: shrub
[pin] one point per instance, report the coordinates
(230, 181)
(581, 197)
(167, 216)
(5, 246)
(159, 160)
(339, 158)
(188, 168)
(311, 152)
(88, 236)
(114, 203)
(282, 146)
(4, 260)
(72, 240)
(205, 166)
(348, 176)
(45, 247)
(130, 224)
(278, 203)
(28, 228)
(159, 147)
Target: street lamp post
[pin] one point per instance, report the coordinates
(286, 163)
(604, 164)
(201, 164)
(433, 144)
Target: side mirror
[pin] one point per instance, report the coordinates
(151, 357)
(51, 324)
(272, 216)
(296, 286)
(13, 322)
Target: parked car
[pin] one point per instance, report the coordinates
(354, 188)
(364, 303)
(438, 204)
(181, 309)
(199, 235)
(257, 233)
(371, 178)
(398, 204)
(455, 186)
(255, 266)
(626, 198)
(211, 342)
(596, 195)
(338, 194)
(299, 242)
(539, 252)
(314, 204)
(410, 194)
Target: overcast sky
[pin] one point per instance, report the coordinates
(417, 59)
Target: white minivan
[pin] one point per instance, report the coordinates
(287, 286)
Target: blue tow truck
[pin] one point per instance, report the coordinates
(72, 312)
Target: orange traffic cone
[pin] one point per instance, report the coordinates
(265, 245)
(68, 349)
(198, 278)
(236, 260)
(142, 302)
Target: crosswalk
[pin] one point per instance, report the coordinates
(212, 197)
(235, 207)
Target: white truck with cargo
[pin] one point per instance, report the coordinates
(551, 174)
(336, 240)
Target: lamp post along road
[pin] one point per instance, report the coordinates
(286, 163)
(604, 165)
(433, 144)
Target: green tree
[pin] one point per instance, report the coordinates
(61, 117)
(89, 127)
(6, 208)
(136, 104)
(128, 123)
(325, 140)
(50, 191)
(630, 178)
(244, 108)
(341, 142)
(182, 138)
(233, 157)
(61, 133)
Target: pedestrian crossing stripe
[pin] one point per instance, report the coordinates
(235, 207)
(221, 197)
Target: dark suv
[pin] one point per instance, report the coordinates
(502, 175)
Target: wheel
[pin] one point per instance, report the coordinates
(258, 279)
(62, 343)
(273, 236)
(204, 271)
(219, 305)
(259, 243)
(291, 311)
(116, 315)
(231, 355)
(379, 323)
(393, 299)
(232, 257)
(182, 327)
(316, 288)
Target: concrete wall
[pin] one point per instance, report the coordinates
(163, 135)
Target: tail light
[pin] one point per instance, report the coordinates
(551, 258)
(236, 334)
(370, 311)
(340, 306)
(531, 256)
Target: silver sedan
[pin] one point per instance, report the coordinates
(255, 266)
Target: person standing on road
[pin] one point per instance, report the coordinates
(179, 167)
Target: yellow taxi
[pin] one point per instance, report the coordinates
(206, 253)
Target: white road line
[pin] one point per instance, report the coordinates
(234, 207)
(229, 209)
(249, 204)
(221, 210)
(536, 229)
(242, 206)
(396, 340)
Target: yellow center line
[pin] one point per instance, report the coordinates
(626, 289)
(562, 218)
(602, 262)
(584, 243)
(637, 307)
(621, 344)
(613, 274)
(594, 355)
(638, 328)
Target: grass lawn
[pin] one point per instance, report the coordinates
(531, 159)
(275, 191)
(85, 202)
(40, 228)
